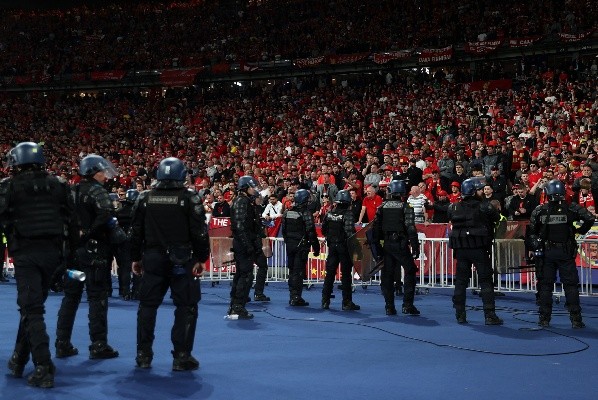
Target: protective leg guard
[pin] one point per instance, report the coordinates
(43, 376)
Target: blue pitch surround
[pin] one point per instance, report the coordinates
(307, 353)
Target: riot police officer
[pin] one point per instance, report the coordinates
(36, 210)
(552, 238)
(299, 233)
(94, 256)
(260, 261)
(122, 253)
(471, 239)
(338, 227)
(169, 244)
(395, 224)
(247, 245)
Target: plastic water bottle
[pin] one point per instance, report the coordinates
(75, 275)
(232, 317)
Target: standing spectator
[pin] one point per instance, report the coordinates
(370, 204)
(326, 187)
(356, 204)
(373, 178)
(170, 246)
(417, 200)
(522, 205)
(222, 208)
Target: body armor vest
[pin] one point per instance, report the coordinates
(37, 211)
(469, 226)
(294, 224)
(393, 218)
(166, 218)
(555, 225)
(335, 227)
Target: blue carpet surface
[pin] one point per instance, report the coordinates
(307, 353)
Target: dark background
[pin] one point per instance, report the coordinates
(52, 4)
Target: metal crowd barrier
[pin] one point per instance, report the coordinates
(436, 265)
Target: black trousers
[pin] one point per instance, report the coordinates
(35, 263)
(243, 278)
(262, 273)
(558, 259)
(97, 286)
(338, 253)
(480, 259)
(396, 255)
(122, 254)
(296, 262)
(185, 291)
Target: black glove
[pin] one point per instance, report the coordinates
(415, 250)
(316, 249)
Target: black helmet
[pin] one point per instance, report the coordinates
(132, 195)
(171, 169)
(92, 164)
(26, 153)
(555, 190)
(397, 188)
(469, 186)
(245, 182)
(302, 197)
(343, 197)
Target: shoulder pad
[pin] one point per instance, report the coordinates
(143, 195)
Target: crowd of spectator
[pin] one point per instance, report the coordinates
(355, 135)
(157, 35)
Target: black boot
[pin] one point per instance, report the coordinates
(101, 351)
(43, 376)
(350, 306)
(238, 311)
(325, 303)
(297, 301)
(492, 318)
(390, 309)
(576, 321)
(184, 361)
(260, 297)
(64, 349)
(410, 309)
(144, 358)
(544, 320)
(16, 364)
(461, 316)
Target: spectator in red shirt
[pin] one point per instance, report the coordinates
(370, 204)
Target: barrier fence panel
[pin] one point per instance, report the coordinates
(436, 263)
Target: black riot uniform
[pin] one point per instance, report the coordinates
(122, 251)
(94, 256)
(247, 245)
(338, 227)
(395, 225)
(36, 211)
(260, 261)
(552, 237)
(299, 233)
(471, 239)
(169, 243)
